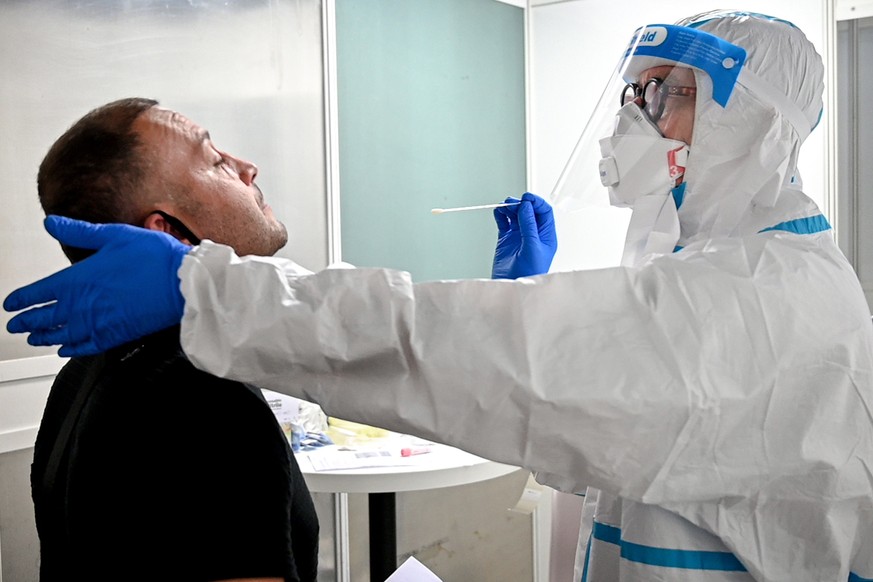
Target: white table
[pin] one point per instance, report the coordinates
(443, 466)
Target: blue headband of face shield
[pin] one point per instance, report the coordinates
(721, 60)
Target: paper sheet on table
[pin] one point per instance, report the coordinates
(339, 460)
(413, 571)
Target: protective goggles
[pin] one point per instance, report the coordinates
(652, 96)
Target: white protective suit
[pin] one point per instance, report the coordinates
(719, 396)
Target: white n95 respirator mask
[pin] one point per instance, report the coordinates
(637, 160)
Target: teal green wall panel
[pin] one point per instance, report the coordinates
(431, 114)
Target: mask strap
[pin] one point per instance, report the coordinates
(180, 226)
(783, 104)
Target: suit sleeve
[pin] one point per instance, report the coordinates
(648, 382)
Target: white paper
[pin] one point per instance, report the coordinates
(285, 408)
(329, 460)
(413, 571)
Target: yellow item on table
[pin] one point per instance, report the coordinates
(345, 432)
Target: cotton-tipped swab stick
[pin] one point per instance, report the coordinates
(479, 207)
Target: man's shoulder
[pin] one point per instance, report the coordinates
(152, 373)
(156, 357)
(164, 365)
(149, 384)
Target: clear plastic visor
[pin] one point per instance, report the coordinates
(659, 71)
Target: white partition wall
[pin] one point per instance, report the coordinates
(855, 200)
(250, 71)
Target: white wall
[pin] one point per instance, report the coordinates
(24, 386)
(574, 47)
(250, 72)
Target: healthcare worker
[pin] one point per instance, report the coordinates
(716, 389)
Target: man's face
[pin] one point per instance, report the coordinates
(211, 192)
(677, 119)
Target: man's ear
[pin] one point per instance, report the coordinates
(157, 221)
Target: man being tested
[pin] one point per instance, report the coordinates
(716, 389)
(145, 467)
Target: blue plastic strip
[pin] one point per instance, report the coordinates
(606, 533)
(587, 557)
(817, 121)
(686, 559)
(719, 58)
(808, 225)
(651, 556)
(679, 194)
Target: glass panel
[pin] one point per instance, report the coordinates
(431, 114)
(250, 71)
(845, 137)
(862, 126)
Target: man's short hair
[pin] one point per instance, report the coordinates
(94, 170)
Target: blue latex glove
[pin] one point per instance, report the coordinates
(126, 290)
(526, 239)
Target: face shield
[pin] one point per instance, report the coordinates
(639, 139)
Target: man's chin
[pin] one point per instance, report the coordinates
(281, 238)
(267, 244)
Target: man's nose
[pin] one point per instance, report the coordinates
(247, 171)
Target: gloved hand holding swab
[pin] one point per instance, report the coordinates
(479, 207)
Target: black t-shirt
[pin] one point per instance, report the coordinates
(168, 473)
